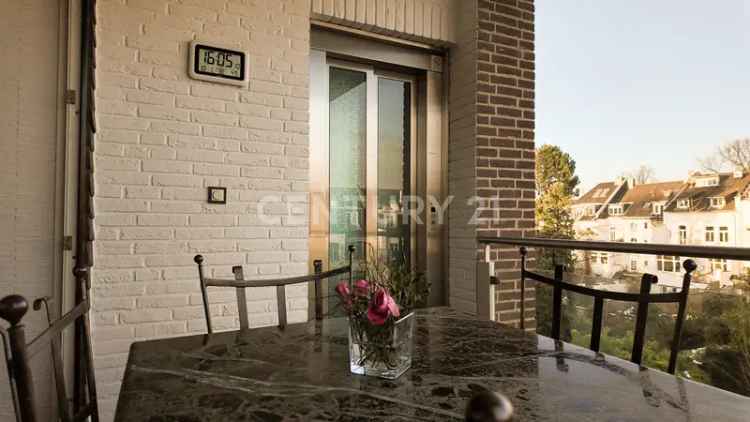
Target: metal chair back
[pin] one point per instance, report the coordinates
(19, 352)
(240, 284)
(643, 299)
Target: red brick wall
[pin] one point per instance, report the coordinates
(505, 139)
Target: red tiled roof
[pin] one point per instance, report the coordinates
(642, 197)
(597, 195)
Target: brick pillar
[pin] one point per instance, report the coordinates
(491, 156)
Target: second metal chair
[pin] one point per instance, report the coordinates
(240, 284)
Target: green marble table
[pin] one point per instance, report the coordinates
(301, 373)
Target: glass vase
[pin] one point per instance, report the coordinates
(386, 352)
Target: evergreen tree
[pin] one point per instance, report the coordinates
(556, 184)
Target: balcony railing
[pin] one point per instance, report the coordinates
(717, 252)
(486, 282)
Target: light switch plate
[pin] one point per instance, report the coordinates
(217, 195)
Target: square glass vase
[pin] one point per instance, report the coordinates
(388, 355)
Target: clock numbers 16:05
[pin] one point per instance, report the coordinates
(219, 58)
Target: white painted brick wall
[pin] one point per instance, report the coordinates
(462, 161)
(29, 174)
(424, 20)
(164, 138)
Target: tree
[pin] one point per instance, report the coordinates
(643, 174)
(556, 183)
(731, 155)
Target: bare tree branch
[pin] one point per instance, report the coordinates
(641, 175)
(734, 154)
(712, 163)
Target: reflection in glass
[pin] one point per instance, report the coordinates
(394, 136)
(348, 141)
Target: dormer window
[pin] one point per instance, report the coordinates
(683, 204)
(615, 209)
(717, 202)
(707, 181)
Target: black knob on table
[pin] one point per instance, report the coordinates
(489, 406)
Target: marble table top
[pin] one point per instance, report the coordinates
(302, 373)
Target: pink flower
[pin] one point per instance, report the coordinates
(344, 293)
(381, 307)
(361, 287)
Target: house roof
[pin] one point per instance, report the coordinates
(622, 190)
(597, 195)
(729, 186)
(642, 197)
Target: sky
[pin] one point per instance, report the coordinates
(622, 83)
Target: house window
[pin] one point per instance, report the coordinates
(723, 234)
(669, 264)
(683, 203)
(604, 258)
(615, 209)
(645, 225)
(682, 235)
(710, 236)
(633, 226)
(594, 257)
(612, 234)
(633, 240)
(658, 209)
(633, 264)
(713, 181)
(717, 202)
(719, 265)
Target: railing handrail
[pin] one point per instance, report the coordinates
(683, 251)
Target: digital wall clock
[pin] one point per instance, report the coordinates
(218, 64)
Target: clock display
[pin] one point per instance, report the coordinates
(218, 62)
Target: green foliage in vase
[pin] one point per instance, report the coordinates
(410, 289)
(389, 291)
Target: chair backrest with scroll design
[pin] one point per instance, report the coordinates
(240, 284)
(19, 352)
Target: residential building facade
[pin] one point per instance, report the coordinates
(706, 209)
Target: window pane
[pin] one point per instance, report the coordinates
(348, 138)
(394, 138)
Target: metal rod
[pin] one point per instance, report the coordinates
(596, 324)
(689, 265)
(204, 294)
(642, 316)
(220, 282)
(318, 309)
(523, 288)
(241, 298)
(723, 252)
(557, 303)
(605, 294)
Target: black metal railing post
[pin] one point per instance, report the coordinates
(596, 324)
(557, 302)
(642, 316)
(689, 265)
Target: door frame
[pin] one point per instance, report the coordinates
(428, 155)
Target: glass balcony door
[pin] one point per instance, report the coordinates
(370, 138)
(363, 136)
